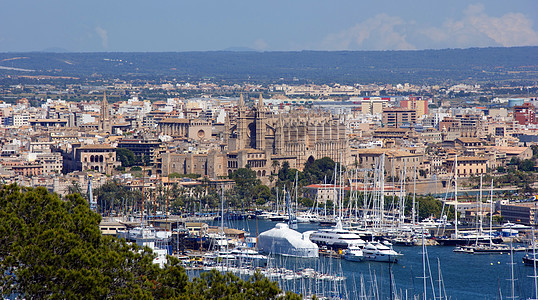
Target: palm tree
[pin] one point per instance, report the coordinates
(275, 165)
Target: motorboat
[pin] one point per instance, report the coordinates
(354, 253)
(336, 238)
(494, 249)
(376, 251)
(146, 236)
(528, 260)
(249, 256)
(307, 218)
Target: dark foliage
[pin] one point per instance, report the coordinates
(53, 249)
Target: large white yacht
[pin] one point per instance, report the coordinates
(377, 251)
(336, 238)
(354, 253)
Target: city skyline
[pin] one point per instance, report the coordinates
(276, 26)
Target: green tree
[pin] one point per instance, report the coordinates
(316, 171)
(53, 249)
(112, 194)
(245, 184)
(75, 188)
(126, 157)
(526, 165)
(262, 194)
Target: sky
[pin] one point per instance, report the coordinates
(275, 25)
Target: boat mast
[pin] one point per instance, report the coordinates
(512, 279)
(456, 197)
(480, 229)
(276, 188)
(296, 194)
(143, 198)
(382, 188)
(413, 212)
(335, 195)
(534, 265)
(490, 212)
(424, 263)
(222, 209)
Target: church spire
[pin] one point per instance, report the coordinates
(104, 107)
(104, 118)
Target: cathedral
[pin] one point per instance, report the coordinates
(263, 140)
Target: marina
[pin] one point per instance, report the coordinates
(463, 276)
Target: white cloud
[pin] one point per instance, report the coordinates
(476, 28)
(382, 32)
(260, 45)
(103, 34)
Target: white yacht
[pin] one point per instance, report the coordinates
(376, 251)
(337, 238)
(218, 240)
(146, 236)
(354, 253)
(249, 256)
(307, 218)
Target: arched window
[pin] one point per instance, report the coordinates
(101, 158)
(91, 158)
(263, 173)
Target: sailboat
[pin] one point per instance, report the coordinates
(457, 239)
(531, 260)
(490, 247)
(146, 236)
(218, 240)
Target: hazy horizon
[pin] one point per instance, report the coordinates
(313, 25)
(232, 49)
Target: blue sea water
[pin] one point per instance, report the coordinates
(465, 276)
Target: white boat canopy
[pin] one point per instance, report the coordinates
(285, 241)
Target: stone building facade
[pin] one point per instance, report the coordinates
(264, 141)
(100, 158)
(293, 137)
(185, 128)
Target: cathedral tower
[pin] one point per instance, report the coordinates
(260, 124)
(104, 117)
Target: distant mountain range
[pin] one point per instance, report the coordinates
(420, 66)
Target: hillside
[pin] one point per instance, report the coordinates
(424, 66)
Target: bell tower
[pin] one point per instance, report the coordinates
(260, 124)
(104, 116)
(242, 124)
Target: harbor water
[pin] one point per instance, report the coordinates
(463, 276)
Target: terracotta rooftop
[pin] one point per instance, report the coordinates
(174, 120)
(99, 146)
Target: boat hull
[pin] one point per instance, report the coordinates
(465, 242)
(351, 257)
(382, 257)
(528, 261)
